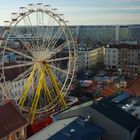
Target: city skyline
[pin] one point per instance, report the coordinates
(81, 12)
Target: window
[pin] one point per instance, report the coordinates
(114, 51)
(114, 56)
(17, 135)
(16, 93)
(114, 61)
(18, 83)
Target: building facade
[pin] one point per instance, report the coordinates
(122, 56)
(111, 57)
(88, 57)
(91, 33)
(106, 33)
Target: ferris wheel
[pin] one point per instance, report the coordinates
(39, 53)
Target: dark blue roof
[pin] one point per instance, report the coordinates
(79, 129)
(116, 114)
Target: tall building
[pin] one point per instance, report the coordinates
(94, 33)
(106, 33)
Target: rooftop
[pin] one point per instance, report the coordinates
(10, 119)
(134, 87)
(79, 129)
(111, 107)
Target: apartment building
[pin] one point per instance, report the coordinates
(106, 33)
(88, 57)
(122, 56)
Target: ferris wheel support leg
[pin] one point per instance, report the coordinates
(27, 86)
(35, 100)
(49, 98)
(56, 86)
(48, 95)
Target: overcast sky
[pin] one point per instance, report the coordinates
(83, 12)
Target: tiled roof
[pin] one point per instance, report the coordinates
(10, 119)
(134, 88)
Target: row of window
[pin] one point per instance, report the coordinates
(123, 51)
(114, 62)
(16, 84)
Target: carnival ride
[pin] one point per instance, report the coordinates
(44, 59)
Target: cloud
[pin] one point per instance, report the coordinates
(83, 10)
(110, 19)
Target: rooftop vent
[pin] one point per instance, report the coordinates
(85, 121)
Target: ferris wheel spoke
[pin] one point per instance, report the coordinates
(51, 28)
(24, 42)
(17, 52)
(41, 23)
(24, 74)
(58, 49)
(54, 39)
(59, 59)
(33, 31)
(29, 28)
(45, 38)
(58, 69)
(16, 66)
(37, 29)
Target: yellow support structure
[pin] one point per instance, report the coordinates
(57, 90)
(35, 100)
(27, 86)
(48, 94)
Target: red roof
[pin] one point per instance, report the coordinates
(134, 87)
(108, 91)
(10, 119)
